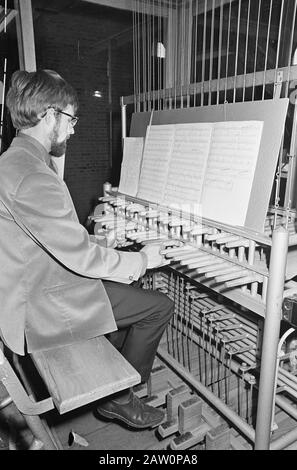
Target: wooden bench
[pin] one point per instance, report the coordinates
(74, 375)
(84, 372)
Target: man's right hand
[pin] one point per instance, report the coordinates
(154, 257)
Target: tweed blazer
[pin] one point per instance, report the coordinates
(51, 292)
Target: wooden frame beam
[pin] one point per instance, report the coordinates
(10, 16)
(25, 34)
(241, 81)
(130, 5)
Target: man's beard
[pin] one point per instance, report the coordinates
(57, 148)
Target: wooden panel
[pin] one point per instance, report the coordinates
(83, 372)
(271, 112)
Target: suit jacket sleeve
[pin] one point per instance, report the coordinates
(44, 207)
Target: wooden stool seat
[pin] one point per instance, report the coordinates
(83, 372)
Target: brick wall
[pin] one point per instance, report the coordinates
(121, 66)
(68, 43)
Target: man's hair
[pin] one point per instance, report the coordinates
(32, 93)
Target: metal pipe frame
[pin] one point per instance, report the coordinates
(248, 80)
(280, 239)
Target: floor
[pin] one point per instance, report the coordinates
(84, 429)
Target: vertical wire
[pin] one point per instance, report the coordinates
(228, 45)
(280, 159)
(182, 54)
(4, 80)
(189, 329)
(246, 49)
(237, 49)
(149, 56)
(278, 183)
(220, 51)
(169, 54)
(267, 47)
(192, 56)
(138, 57)
(162, 13)
(172, 321)
(203, 53)
(164, 81)
(181, 317)
(256, 49)
(134, 56)
(147, 51)
(140, 78)
(292, 149)
(294, 124)
(279, 40)
(210, 354)
(172, 52)
(195, 54)
(211, 51)
(175, 57)
(176, 290)
(152, 53)
(156, 61)
(160, 59)
(229, 373)
(159, 62)
(143, 58)
(291, 49)
(190, 53)
(153, 56)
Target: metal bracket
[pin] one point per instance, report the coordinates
(278, 84)
(17, 392)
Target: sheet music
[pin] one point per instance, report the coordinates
(155, 163)
(230, 170)
(188, 163)
(131, 165)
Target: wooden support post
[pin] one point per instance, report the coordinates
(173, 399)
(189, 414)
(160, 384)
(218, 438)
(25, 35)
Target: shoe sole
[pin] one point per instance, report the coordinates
(110, 415)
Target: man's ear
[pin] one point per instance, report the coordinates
(48, 116)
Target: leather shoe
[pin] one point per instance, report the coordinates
(134, 413)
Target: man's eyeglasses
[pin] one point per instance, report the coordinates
(73, 120)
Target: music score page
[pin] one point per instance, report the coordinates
(230, 170)
(131, 165)
(207, 164)
(155, 164)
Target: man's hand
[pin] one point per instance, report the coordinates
(111, 239)
(153, 253)
(106, 239)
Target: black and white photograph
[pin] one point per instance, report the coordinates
(148, 230)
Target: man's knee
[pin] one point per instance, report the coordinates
(167, 305)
